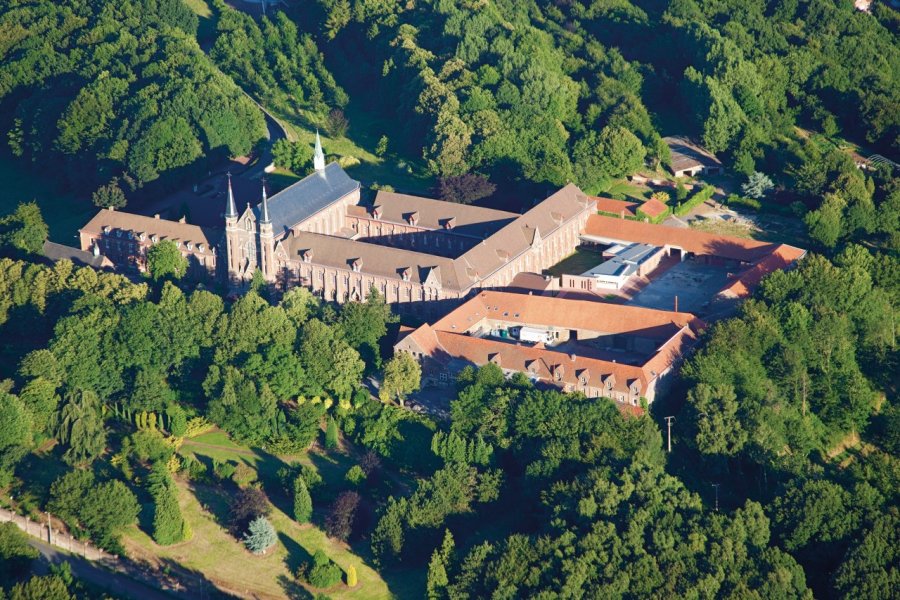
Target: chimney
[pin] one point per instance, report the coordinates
(622, 214)
(112, 208)
(156, 216)
(182, 220)
(573, 357)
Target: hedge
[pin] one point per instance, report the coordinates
(696, 200)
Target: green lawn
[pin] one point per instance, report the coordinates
(577, 263)
(628, 190)
(64, 213)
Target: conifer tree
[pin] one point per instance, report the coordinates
(302, 501)
(260, 535)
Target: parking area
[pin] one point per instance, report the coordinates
(695, 284)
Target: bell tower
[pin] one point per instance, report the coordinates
(266, 239)
(232, 237)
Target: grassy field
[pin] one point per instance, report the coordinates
(224, 561)
(64, 213)
(403, 174)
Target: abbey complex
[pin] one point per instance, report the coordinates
(434, 260)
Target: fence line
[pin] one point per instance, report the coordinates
(59, 539)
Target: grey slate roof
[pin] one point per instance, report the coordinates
(307, 197)
(55, 252)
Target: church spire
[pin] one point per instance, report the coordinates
(319, 156)
(264, 218)
(230, 208)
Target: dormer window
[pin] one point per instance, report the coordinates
(356, 265)
(405, 274)
(413, 218)
(154, 238)
(199, 247)
(178, 244)
(190, 245)
(608, 384)
(143, 237)
(106, 229)
(376, 212)
(450, 223)
(306, 255)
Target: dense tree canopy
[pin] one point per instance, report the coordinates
(101, 90)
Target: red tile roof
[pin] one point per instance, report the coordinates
(653, 207)
(691, 240)
(563, 313)
(616, 207)
(448, 340)
(781, 258)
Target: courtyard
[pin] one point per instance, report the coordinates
(694, 283)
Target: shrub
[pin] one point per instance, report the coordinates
(348, 161)
(193, 469)
(197, 426)
(248, 505)
(351, 576)
(260, 535)
(224, 470)
(243, 475)
(355, 475)
(661, 196)
(324, 572)
(310, 476)
(735, 200)
(381, 148)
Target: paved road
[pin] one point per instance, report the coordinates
(90, 572)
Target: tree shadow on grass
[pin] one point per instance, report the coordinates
(296, 554)
(214, 501)
(293, 590)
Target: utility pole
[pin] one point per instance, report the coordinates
(716, 486)
(669, 423)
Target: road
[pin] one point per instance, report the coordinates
(88, 571)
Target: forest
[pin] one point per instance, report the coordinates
(784, 475)
(101, 92)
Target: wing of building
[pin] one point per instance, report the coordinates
(599, 349)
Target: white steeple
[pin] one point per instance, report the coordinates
(319, 156)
